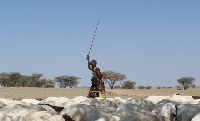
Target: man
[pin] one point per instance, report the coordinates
(97, 83)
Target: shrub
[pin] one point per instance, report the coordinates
(128, 85)
(142, 87)
(158, 87)
(148, 87)
(117, 87)
(193, 86)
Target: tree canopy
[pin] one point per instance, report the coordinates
(128, 84)
(186, 81)
(15, 79)
(111, 77)
(67, 81)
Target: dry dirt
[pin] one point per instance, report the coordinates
(156, 92)
(32, 92)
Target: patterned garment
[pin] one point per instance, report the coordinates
(97, 83)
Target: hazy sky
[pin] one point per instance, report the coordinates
(152, 42)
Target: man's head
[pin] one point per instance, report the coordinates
(93, 63)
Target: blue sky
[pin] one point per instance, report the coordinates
(152, 42)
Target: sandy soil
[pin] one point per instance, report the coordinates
(139, 92)
(156, 92)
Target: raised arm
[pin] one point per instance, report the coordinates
(88, 58)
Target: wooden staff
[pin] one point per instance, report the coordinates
(93, 37)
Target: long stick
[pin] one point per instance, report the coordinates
(93, 37)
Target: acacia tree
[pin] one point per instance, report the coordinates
(111, 77)
(67, 81)
(12, 79)
(24, 81)
(186, 82)
(34, 80)
(47, 83)
(128, 84)
(4, 79)
(15, 79)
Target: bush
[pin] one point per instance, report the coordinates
(158, 87)
(142, 87)
(193, 86)
(148, 87)
(117, 87)
(128, 85)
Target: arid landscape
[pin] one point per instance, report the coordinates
(32, 92)
(72, 104)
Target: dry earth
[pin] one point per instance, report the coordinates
(32, 92)
(156, 92)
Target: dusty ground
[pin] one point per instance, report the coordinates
(156, 92)
(32, 92)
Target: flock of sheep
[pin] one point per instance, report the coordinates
(154, 108)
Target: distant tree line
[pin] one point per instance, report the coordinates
(111, 77)
(15, 79)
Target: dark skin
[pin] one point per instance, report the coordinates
(91, 65)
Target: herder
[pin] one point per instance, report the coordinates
(97, 83)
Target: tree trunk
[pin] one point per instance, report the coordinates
(112, 86)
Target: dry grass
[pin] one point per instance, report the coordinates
(143, 93)
(31, 92)
(188, 92)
